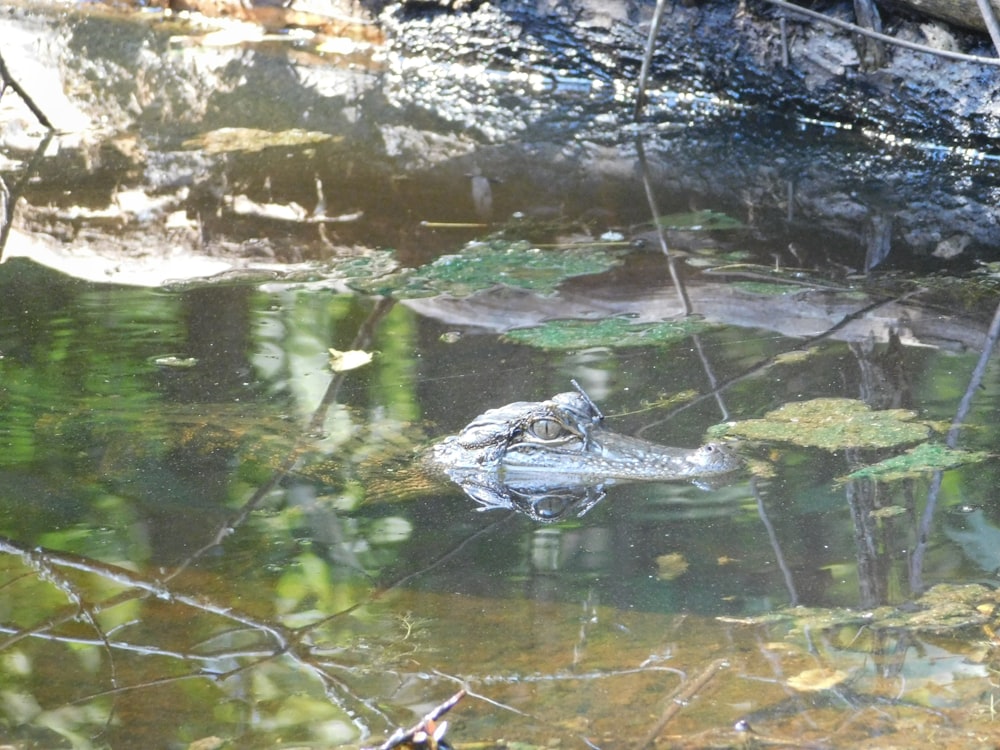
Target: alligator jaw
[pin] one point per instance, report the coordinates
(610, 456)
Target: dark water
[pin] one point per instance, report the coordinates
(210, 537)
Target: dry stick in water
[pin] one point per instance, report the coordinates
(681, 696)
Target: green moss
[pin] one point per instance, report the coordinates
(483, 265)
(833, 424)
(612, 333)
(923, 458)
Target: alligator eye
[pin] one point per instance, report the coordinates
(547, 429)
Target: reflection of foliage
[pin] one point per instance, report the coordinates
(921, 459)
(611, 332)
(833, 424)
(483, 265)
(85, 365)
(108, 619)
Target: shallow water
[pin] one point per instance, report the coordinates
(211, 537)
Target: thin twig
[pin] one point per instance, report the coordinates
(680, 697)
(770, 361)
(401, 736)
(793, 596)
(660, 232)
(647, 58)
(951, 440)
(990, 19)
(7, 80)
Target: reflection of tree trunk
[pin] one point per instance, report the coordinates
(884, 380)
(878, 240)
(871, 52)
(884, 385)
(872, 563)
(218, 335)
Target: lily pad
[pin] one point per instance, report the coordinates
(483, 265)
(834, 424)
(923, 458)
(612, 333)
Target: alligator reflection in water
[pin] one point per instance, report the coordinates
(551, 458)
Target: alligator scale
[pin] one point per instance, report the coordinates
(527, 451)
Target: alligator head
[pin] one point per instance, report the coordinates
(564, 440)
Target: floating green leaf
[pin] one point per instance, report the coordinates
(483, 265)
(702, 221)
(834, 424)
(923, 458)
(611, 332)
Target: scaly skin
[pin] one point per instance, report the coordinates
(565, 437)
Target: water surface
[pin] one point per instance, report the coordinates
(211, 537)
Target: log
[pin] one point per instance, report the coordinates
(964, 13)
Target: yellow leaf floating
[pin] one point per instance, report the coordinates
(814, 680)
(349, 360)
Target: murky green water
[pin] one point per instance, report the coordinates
(210, 538)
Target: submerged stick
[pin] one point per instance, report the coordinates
(680, 697)
(916, 561)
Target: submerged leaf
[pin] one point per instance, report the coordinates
(671, 566)
(611, 333)
(834, 424)
(923, 458)
(813, 680)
